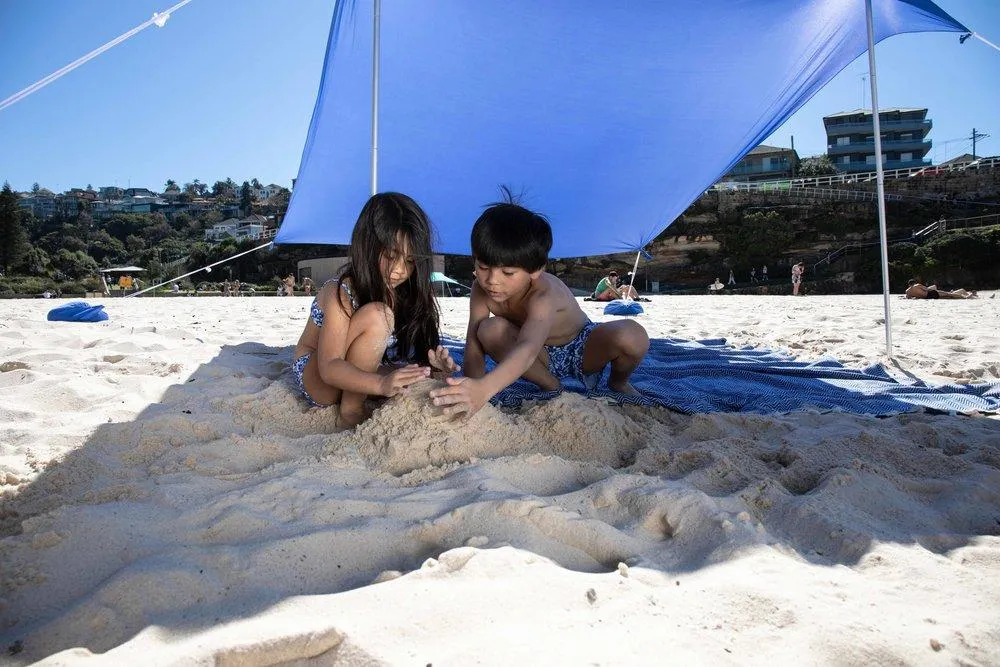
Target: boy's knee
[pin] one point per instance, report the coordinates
(636, 340)
(492, 329)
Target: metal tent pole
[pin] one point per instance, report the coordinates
(635, 267)
(883, 235)
(376, 20)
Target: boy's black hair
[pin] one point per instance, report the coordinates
(507, 234)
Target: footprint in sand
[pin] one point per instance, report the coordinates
(9, 366)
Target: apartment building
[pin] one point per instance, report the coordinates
(850, 139)
(765, 163)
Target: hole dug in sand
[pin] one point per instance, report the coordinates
(409, 432)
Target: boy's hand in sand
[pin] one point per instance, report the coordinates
(441, 361)
(466, 395)
(401, 378)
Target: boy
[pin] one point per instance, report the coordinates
(538, 330)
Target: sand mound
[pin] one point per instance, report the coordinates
(409, 433)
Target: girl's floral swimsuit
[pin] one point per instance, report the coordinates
(316, 313)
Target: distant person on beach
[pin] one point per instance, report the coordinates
(753, 275)
(917, 290)
(371, 325)
(104, 286)
(175, 288)
(307, 285)
(716, 286)
(537, 330)
(289, 284)
(732, 278)
(763, 273)
(797, 272)
(608, 289)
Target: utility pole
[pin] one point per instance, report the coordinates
(976, 135)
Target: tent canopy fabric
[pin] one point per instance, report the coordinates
(123, 269)
(438, 277)
(609, 118)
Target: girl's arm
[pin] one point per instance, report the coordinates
(474, 358)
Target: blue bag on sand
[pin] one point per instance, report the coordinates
(620, 307)
(77, 311)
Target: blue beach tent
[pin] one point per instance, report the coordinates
(608, 117)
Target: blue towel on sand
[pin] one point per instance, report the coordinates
(711, 376)
(77, 311)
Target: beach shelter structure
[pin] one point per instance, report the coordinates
(610, 118)
(445, 286)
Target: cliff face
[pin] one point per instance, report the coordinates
(826, 220)
(843, 217)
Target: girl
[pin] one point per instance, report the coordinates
(380, 308)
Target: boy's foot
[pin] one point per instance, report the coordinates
(588, 298)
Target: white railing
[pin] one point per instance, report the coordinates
(858, 177)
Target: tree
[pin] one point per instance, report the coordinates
(75, 264)
(754, 238)
(170, 186)
(818, 165)
(35, 187)
(246, 198)
(221, 188)
(36, 262)
(13, 237)
(256, 184)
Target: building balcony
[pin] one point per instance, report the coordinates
(863, 147)
(915, 124)
(888, 164)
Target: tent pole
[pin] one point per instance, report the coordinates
(883, 235)
(375, 72)
(635, 267)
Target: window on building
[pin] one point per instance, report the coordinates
(843, 141)
(906, 157)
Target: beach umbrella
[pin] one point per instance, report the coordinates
(610, 118)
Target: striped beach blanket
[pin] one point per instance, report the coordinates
(712, 376)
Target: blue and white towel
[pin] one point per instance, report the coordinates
(711, 376)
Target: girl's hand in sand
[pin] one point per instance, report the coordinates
(441, 361)
(401, 378)
(461, 395)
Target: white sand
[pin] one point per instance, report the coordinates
(166, 498)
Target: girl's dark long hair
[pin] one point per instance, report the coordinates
(376, 233)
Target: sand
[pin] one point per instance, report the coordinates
(167, 498)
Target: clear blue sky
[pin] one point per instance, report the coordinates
(227, 87)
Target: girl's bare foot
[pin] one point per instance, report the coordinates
(624, 388)
(351, 417)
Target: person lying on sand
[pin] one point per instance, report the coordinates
(538, 332)
(917, 290)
